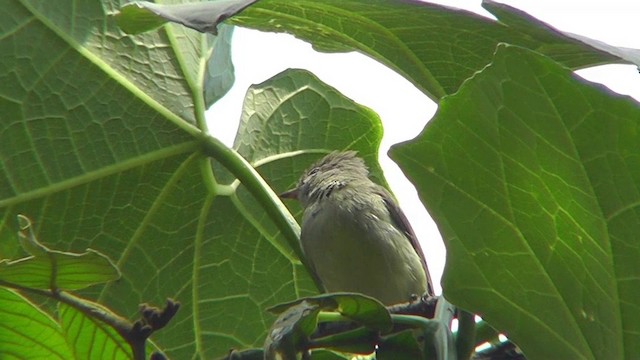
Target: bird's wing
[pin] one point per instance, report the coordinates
(403, 224)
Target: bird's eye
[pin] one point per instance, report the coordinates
(313, 171)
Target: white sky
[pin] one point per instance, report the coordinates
(405, 110)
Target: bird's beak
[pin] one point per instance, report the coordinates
(290, 194)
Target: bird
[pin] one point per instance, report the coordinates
(354, 236)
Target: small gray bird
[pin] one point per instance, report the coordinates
(354, 235)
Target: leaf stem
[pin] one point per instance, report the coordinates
(262, 192)
(465, 337)
(443, 338)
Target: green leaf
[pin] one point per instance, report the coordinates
(361, 340)
(220, 75)
(101, 139)
(25, 329)
(90, 338)
(531, 174)
(363, 309)
(291, 330)
(59, 270)
(295, 118)
(434, 47)
(251, 354)
(357, 307)
(53, 270)
(295, 111)
(399, 346)
(140, 16)
(554, 40)
(136, 18)
(298, 320)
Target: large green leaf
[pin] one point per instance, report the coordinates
(24, 327)
(532, 175)
(100, 144)
(295, 111)
(105, 145)
(434, 47)
(27, 332)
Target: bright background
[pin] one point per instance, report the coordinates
(405, 110)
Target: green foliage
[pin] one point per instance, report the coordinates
(299, 319)
(76, 333)
(530, 173)
(91, 338)
(434, 47)
(51, 269)
(363, 309)
(539, 235)
(28, 330)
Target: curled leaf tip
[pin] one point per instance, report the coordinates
(23, 222)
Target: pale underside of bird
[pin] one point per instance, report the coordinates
(353, 234)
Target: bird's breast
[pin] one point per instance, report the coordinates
(354, 246)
